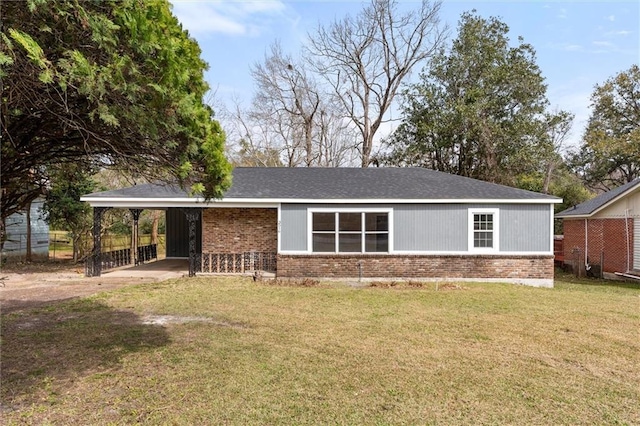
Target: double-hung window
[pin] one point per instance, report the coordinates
(350, 232)
(483, 230)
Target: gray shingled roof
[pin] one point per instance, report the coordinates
(342, 184)
(590, 206)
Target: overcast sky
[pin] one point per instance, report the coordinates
(578, 43)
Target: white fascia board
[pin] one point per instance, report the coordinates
(418, 253)
(174, 202)
(574, 216)
(274, 202)
(416, 201)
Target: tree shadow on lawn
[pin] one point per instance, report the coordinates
(56, 341)
(569, 278)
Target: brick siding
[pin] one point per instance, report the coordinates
(416, 266)
(238, 230)
(606, 236)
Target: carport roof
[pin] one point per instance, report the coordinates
(255, 184)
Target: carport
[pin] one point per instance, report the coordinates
(184, 229)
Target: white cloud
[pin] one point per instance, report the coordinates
(562, 14)
(611, 18)
(568, 47)
(622, 33)
(603, 44)
(201, 18)
(263, 6)
(248, 18)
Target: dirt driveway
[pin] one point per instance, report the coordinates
(32, 285)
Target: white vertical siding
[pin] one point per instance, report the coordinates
(525, 227)
(16, 242)
(293, 227)
(436, 227)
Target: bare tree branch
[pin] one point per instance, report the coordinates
(365, 59)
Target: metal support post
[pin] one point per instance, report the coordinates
(96, 253)
(192, 215)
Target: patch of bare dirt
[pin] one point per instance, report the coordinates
(398, 284)
(30, 285)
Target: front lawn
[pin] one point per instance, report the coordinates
(230, 351)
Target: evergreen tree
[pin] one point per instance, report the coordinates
(110, 83)
(479, 109)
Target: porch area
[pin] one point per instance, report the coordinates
(207, 240)
(250, 263)
(159, 270)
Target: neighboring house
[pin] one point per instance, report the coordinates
(15, 245)
(606, 229)
(375, 223)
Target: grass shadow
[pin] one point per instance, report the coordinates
(63, 340)
(569, 278)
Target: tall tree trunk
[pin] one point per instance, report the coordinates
(3, 234)
(28, 257)
(154, 227)
(134, 244)
(308, 128)
(547, 177)
(76, 241)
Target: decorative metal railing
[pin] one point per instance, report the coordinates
(117, 258)
(148, 252)
(236, 263)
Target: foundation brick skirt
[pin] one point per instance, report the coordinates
(529, 270)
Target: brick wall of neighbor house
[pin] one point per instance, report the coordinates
(238, 230)
(606, 236)
(416, 266)
(573, 231)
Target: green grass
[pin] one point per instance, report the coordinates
(60, 241)
(239, 352)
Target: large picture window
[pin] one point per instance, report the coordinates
(350, 232)
(483, 230)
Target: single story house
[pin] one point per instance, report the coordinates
(603, 234)
(373, 223)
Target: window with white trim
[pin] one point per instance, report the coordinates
(483, 230)
(350, 232)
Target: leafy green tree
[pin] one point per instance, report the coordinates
(610, 153)
(63, 207)
(115, 84)
(479, 109)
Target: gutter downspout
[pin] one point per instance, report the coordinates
(626, 228)
(586, 245)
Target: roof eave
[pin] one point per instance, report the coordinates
(614, 200)
(572, 216)
(191, 201)
(601, 207)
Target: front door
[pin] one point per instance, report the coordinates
(178, 234)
